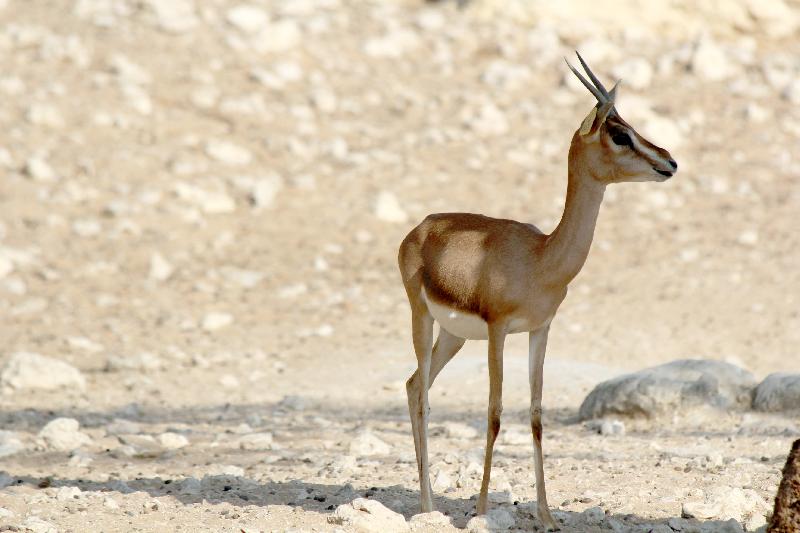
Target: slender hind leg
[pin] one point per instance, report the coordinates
(446, 347)
(536, 350)
(497, 337)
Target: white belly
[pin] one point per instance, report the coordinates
(466, 325)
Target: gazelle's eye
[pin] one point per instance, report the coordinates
(621, 139)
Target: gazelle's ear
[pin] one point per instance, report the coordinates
(596, 117)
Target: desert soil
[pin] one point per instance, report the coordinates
(200, 208)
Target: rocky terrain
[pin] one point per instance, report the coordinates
(202, 326)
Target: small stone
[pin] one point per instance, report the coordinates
(388, 209)
(62, 434)
(228, 153)
(39, 170)
(42, 114)
(488, 121)
(324, 100)
(143, 361)
(110, 503)
(366, 444)
(748, 237)
(6, 266)
(172, 441)
(211, 202)
(594, 516)
(441, 481)
(160, 268)
(393, 44)
(68, 493)
(612, 427)
(214, 321)
(10, 443)
(255, 441)
(247, 18)
(175, 16)
(276, 37)
(265, 189)
(25, 370)
(368, 516)
(710, 61)
(5, 513)
(229, 382)
(433, 521)
(226, 470)
(494, 520)
(34, 524)
(128, 71)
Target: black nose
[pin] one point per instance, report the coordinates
(673, 164)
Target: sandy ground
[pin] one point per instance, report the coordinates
(200, 208)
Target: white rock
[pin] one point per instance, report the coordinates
(366, 443)
(226, 470)
(494, 520)
(10, 443)
(441, 481)
(63, 434)
(6, 513)
(68, 493)
(244, 278)
(368, 516)
(172, 441)
(143, 361)
(228, 153)
(612, 427)
(175, 16)
(635, 72)
(26, 370)
(160, 268)
(247, 18)
(324, 100)
(775, 17)
(748, 237)
(128, 71)
(43, 114)
(210, 201)
(6, 266)
(229, 381)
(34, 524)
(214, 321)
(433, 521)
(255, 441)
(110, 503)
(489, 121)
(39, 170)
(279, 36)
(729, 503)
(792, 91)
(710, 61)
(455, 430)
(388, 209)
(394, 44)
(265, 189)
(87, 227)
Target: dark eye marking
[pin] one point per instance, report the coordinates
(621, 138)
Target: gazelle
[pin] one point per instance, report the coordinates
(484, 278)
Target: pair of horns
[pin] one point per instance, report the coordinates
(596, 88)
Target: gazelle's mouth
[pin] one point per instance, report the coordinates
(666, 173)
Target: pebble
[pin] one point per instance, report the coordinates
(34, 524)
(255, 441)
(493, 520)
(265, 189)
(175, 16)
(441, 481)
(63, 434)
(365, 443)
(211, 202)
(214, 321)
(39, 169)
(10, 443)
(6, 266)
(710, 61)
(143, 361)
(388, 208)
(42, 114)
(68, 493)
(368, 516)
(32, 371)
(244, 278)
(160, 268)
(433, 521)
(172, 441)
(228, 153)
(277, 37)
(487, 121)
(392, 45)
(247, 18)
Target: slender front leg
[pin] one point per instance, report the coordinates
(497, 336)
(446, 347)
(422, 332)
(536, 350)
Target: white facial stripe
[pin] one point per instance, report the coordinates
(646, 151)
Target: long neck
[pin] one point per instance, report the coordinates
(568, 246)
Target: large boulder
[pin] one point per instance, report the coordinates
(778, 392)
(671, 388)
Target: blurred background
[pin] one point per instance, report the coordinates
(201, 201)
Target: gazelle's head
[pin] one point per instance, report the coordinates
(609, 148)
